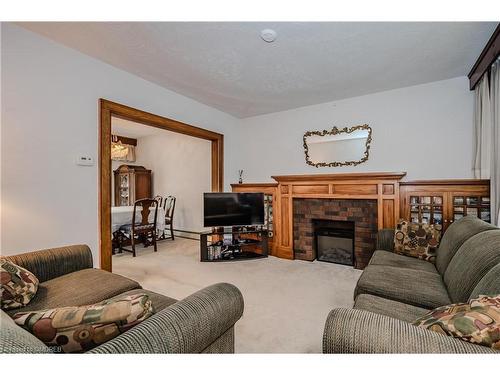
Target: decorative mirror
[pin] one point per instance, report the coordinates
(338, 147)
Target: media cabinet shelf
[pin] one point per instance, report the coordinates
(244, 245)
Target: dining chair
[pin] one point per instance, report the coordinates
(159, 198)
(169, 207)
(141, 226)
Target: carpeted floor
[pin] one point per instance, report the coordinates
(286, 302)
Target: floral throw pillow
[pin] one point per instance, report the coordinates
(477, 322)
(419, 240)
(17, 285)
(81, 328)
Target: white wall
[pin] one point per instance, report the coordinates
(424, 130)
(49, 116)
(180, 166)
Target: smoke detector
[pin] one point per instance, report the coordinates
(268, 35)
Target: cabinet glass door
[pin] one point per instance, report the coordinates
(464, 205)
(426, 209)
(268, 214)
(124, 189)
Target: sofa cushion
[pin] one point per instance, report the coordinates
(454, 237)
(418, 240)
(418, 288)
(475, 258)
(394, 309)
(80, 328)
(489, 284)
(477, 322)
(14, 339)
(159, 301)
(386, 258)
(17, 285)
(84, 287)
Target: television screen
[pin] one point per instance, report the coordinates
(228, 209)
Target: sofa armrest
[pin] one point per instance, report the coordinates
(360, 331)
(51, 263)
(385, 240)
(188, 326)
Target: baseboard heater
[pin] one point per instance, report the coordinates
(190, 235)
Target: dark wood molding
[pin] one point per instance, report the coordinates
(107, 109)
(125, 140)
(485, 59)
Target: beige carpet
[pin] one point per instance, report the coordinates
(286, 302)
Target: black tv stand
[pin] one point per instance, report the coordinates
(231, 244)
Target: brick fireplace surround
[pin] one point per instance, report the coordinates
(349, 190)
(363, 212)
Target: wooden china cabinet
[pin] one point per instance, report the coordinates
(132, 182)
(444, 201)
(269, 190)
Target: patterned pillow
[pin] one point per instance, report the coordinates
(17, 285)
(417, 240)
(477, 322)
(81, 328)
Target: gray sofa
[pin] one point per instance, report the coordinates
(394, 290)
(201, 323)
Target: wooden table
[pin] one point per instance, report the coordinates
(123, 215)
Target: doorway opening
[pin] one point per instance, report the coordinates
(109, 111)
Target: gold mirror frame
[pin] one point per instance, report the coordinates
(335, 131)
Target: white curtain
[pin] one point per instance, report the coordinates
(486, 163)
(495, 142)
(482, 129)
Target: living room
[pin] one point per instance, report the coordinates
(336, 185)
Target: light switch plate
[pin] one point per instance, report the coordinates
(85, 160)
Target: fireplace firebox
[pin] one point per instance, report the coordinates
(334, 241)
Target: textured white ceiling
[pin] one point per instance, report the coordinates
(228, 66)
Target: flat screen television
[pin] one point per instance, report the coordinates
(233, 209)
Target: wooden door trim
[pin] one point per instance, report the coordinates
(107, 109)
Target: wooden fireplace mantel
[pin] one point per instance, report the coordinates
(340, 176)
(380, 186)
